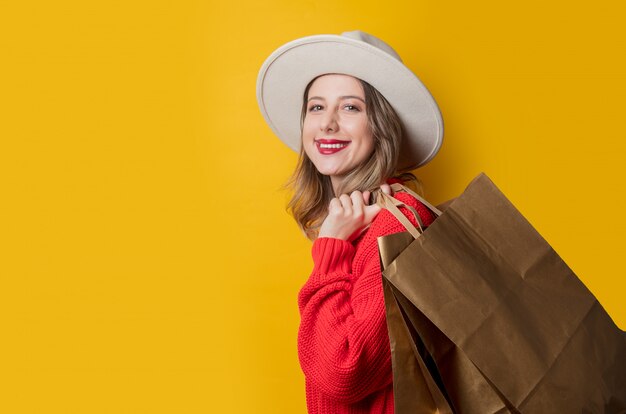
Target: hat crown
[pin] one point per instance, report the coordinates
(373, 41)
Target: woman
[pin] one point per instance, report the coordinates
(364, 119)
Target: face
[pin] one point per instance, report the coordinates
(336, 134)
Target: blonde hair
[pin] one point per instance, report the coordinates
(313, 191)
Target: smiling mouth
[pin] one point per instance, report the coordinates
(330, 146)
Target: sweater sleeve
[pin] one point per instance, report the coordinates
(343, 343)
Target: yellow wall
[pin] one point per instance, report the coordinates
(148, 265)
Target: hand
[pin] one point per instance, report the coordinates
(349, 215)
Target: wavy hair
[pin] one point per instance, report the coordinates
(312, 191)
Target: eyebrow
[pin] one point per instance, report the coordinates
(341, 98)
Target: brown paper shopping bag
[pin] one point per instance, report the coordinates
(494, 319)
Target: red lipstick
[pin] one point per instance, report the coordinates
(330, 146)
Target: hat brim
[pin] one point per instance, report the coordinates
(285, 74)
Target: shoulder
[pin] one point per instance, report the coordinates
(426, 215)
(385, 223)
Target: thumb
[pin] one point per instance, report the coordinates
(371, 212)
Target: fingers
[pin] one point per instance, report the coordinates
(386, 188)
(346, 203)
(371, 212)
(357, 200)
(334, 205)
(348, 215)
(349, 205)
(351, 201)
(366, 197)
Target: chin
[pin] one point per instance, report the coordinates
(326, 170)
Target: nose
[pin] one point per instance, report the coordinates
(329, 122)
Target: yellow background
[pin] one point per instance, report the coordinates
(147, 263)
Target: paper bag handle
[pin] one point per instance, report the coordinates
(399, 187)
(391, 204)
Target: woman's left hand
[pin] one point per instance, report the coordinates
(348, 215)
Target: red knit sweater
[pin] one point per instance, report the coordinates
(343, 343)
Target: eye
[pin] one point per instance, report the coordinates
(352, 108)
(316, 107)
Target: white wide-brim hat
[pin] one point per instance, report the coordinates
(286, 72)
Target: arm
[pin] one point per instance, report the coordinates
(343, 342)
(343, 347)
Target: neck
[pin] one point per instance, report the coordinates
(336, 183)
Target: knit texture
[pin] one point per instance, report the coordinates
(343, 343)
